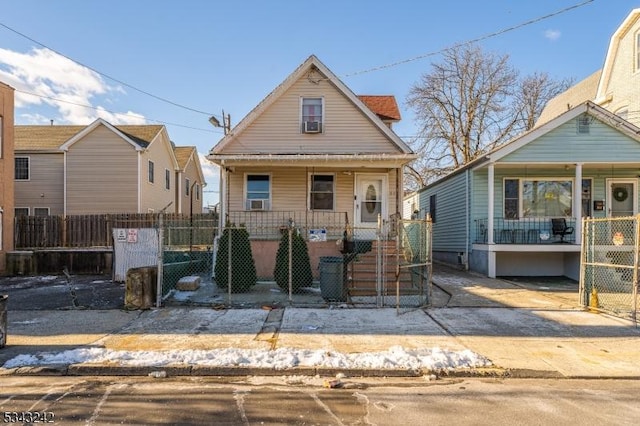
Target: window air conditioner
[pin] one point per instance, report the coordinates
(312, 127)
(257, 204)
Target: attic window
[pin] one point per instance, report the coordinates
(583, 124)
(312, 112)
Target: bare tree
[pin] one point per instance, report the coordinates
(532, 94)
(468, 104)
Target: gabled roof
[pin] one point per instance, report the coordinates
(522, 140)
(43, 137)
(139, 136)
(185, 155)
(589, 107)
(612, 53)
(303, 69)
(384, 106)
(48, 137)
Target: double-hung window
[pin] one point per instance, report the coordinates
(22, 168)
(312, 112)
(322, 192)
(258, 192)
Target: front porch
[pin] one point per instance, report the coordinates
(525, 231)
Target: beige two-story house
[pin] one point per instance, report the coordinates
(100, 168)
(314, 154)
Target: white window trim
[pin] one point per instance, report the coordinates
(300, 119)
(149, 163)
(197, 189)
(309, 186)
(545, 178)
(18, 207)
(244, 193)
(167, 180)
(28, 169)
(187, 191)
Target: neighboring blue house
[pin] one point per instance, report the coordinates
(495, 215)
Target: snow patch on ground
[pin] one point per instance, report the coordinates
(397, 357)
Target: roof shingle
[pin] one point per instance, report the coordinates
(384, 106)
(48, 137)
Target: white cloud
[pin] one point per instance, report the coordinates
(209, 169)
(212, 176)
(55, 78)
(552, 34)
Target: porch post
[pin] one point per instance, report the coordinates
(491, 204)
(577, 204)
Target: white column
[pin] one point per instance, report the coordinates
(491, 257)
(490, 211)
(577, 203)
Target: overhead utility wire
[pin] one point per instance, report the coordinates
(108, 76)
(475, 40)
(114, 112)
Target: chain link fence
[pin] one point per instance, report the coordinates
(187, 255)
(385, 266)
(609, 265)
(388, 265)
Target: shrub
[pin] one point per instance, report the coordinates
(301, 265)
(243, 267)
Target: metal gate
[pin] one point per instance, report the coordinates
(396, 271)
(187, 257)
(609, 265)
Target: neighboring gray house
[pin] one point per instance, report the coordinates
(495, 214)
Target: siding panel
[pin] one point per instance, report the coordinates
(290, 190)
(101, 175)
(450, 227)
(45, 188)
(154, 195)
(564, 144)
(345, 130)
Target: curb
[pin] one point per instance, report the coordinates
(179, 370)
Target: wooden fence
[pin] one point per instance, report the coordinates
(80, 231)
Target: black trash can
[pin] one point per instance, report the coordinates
(332, 278)
(3, 320)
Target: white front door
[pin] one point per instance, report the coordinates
(371, 201)
(622, 197)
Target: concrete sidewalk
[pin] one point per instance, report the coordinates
(524, 332)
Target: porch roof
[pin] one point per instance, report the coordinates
(317, 160)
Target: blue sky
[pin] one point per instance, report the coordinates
(213, 55)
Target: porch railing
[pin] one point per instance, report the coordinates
(267, 224)
(522, 231)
